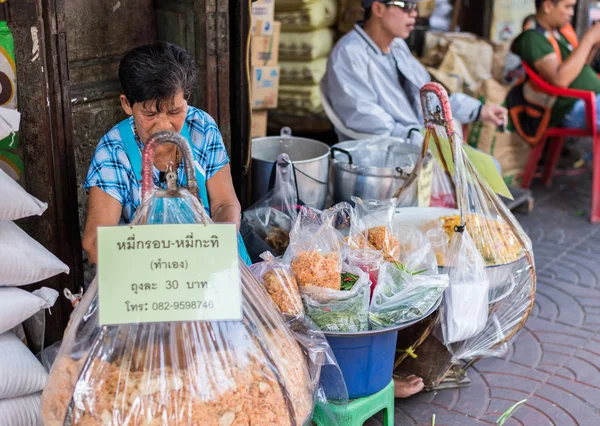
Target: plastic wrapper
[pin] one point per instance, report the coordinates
(488, 256)
(279, 281)
(465, 310)
(373, 227)
(273, 216)
(341, 310)
(402, 297)
(315, 252)
(182, 373)
(416, 253)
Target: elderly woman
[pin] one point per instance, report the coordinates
(157, 81)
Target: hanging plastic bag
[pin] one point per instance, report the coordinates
(273, 216)
(279, 281)
(181, 373)
(402, 297)
(340, 310)
(374, 227)
(487, 247)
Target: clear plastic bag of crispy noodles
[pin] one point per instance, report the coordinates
(488, 256)
(273, 216)
(180, 373)
(373, 227)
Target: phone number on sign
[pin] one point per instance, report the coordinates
(182, 306)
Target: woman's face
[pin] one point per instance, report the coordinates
(148, 120)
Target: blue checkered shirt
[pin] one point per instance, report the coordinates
(112, 172)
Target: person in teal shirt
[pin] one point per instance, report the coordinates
(157, 81)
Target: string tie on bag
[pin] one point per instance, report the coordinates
(460, 228)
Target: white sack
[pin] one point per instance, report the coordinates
(21, 411)
(15, 202)
(17, 305)
(23, 260)
(21, 372)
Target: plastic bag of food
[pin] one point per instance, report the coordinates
(486, 246)
(343, 310)
(279, 281)
(373, 227)
(401, 296)
(180, 373)
(273, 216)
(314, 252)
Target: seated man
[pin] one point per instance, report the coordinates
(550, 34)
(373, 81)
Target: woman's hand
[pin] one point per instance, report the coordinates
(224, 205)
(494, 114)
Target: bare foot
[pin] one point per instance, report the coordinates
(403, 388)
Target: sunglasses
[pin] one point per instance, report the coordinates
(404, 5)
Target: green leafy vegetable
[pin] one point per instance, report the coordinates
(348, 281)
(402, 267)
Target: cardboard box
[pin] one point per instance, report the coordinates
(263, 15)
(259, 124)
(265, 49)
(265, 87)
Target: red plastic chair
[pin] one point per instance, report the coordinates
(556, 136)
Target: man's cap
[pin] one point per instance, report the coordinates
(367, 3)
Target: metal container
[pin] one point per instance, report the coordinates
(376, 175)
(309, 157)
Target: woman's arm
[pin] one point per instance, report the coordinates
(103, 210)
(224, 205)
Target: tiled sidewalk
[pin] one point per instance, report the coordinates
(554, 362)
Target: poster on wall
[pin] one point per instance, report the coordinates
(508, 17)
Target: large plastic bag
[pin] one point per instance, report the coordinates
(279, 281)
(339, 310)
(181, 373)
(487, 247)
(401, 296)
(273, 216)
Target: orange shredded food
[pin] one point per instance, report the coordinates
(382, 239)
(217, 389)
(283, 289)
(494, 239)
(318, 270)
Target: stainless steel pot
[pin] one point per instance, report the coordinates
(354, 176)
(309, 157)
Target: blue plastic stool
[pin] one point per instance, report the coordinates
(358, 411)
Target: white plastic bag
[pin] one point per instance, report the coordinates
(21, 411)
(374, 221)
(17, 305)
(465, 310)
(24, 260)
(21, 372)
(16, 202)
(416, 252)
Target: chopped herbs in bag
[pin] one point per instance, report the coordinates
(401, 296)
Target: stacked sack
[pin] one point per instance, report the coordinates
(23, 261)
(307, 38)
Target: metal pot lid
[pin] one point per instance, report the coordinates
(300, 150)
(381, 157)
